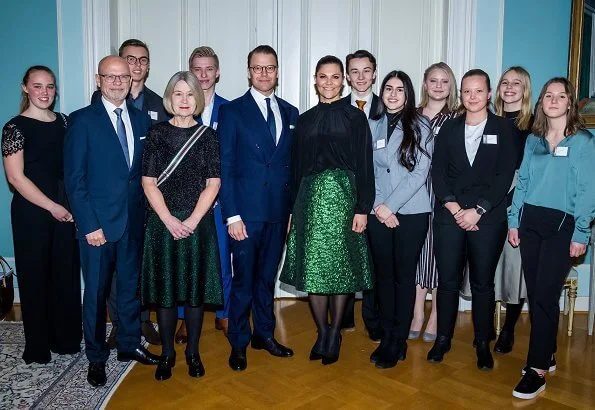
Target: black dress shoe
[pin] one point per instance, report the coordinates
(505, 342)
(333, 348)
(378, 351)
(317, 351)
(484, 356)
(271, 345)
(96, 374)
(141, 355)
(150, 334)
(237, 359)
(389, 357)
(440, 348)
(195, 367)
(375, 334)
(166, 363)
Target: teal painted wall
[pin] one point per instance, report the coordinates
(29, 37)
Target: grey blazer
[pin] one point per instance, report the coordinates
(401, 191)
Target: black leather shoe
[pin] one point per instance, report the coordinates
(96, 374)
(195, 367)
(505, 342)
(317, 351)
(237, 359)
(484, 356)
(163, 371)
(375, 335)
(378, 351)
(333, 349)
(141, 355)
(395, 351)
(150, 334)
(440, 348)
(270, 345)
(111, 339)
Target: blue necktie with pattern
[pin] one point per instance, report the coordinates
(121, 131)
(271, 121)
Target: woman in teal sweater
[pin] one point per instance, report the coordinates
(550, 217)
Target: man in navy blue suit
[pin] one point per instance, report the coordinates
(102, 173)
(255, 134)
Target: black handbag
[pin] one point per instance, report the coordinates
(6, 288)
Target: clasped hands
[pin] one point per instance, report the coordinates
(386, 216)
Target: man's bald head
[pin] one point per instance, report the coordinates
(113, 79)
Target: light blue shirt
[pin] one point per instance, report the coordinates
(562, 180)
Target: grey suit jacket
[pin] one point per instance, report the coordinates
(401, 191)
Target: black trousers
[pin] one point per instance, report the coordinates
(455, 247)
(395, 253)
(545, 236)
(48, 269)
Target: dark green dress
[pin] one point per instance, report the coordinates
(332, 180)
(187, 270)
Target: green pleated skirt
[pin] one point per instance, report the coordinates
(323, 254)
(184, 271)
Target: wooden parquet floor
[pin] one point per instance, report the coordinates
(353, 382)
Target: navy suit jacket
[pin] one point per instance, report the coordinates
(255, 174)
(217, 103)
(152, 103)
(102, 191)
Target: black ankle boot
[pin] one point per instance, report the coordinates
(166, 363)
(396, 350)
(195, 367)
(484, 356)
(505, 342)
(331, 354)
(440, 348)
(384, 342)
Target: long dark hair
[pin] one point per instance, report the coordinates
(574, 120)
(409, 121)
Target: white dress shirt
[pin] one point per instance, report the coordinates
(367, 99)
(207, 112)
(262, 104)
(473, 134)
(127, 124)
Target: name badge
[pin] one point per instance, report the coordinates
(490, 139)
(153, 115)
(380, 143)
(561, 152)
(437, 130)
(215, 125)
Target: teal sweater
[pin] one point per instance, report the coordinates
(565, 183)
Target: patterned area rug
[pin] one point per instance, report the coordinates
(61, 384)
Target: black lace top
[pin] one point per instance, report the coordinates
(182, 189)
(42, 145)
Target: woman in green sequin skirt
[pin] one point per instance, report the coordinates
(333, 192)
(181, 257)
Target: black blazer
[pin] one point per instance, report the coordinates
(487, 182)
(373, 107)
(152, 103)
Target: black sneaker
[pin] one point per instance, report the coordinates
(530, 386)
(551, 369)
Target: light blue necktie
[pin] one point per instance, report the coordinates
(121, 131)
(271, 121)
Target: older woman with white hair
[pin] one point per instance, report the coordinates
(181, 260)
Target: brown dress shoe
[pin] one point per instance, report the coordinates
(111, 339)
(149, 332)
(181, 336)
(222, 324)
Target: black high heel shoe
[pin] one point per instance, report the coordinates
(166, 363)
(195, 367)
(317, 350)
(334, 348)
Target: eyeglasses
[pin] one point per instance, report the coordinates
(110, 78)
(132, 60)
(257, 69)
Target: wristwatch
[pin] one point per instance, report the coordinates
(480, 211)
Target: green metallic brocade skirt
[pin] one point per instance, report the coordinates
(323, 254)
(184, 271)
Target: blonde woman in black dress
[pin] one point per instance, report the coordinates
(45, 248)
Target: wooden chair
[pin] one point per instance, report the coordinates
(570, 290)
